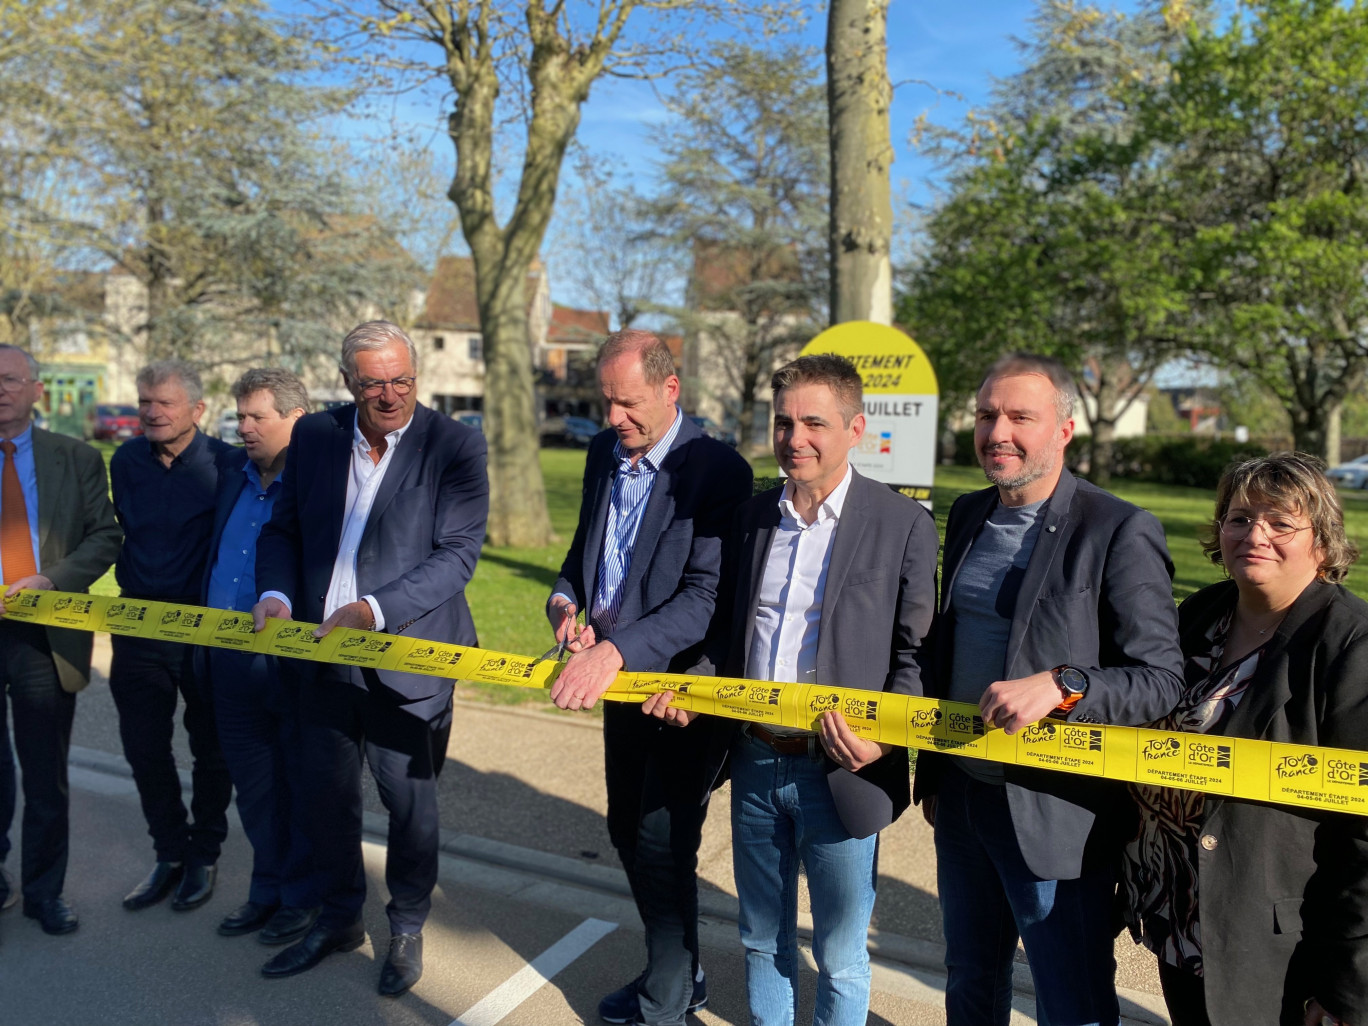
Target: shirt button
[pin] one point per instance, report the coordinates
(1208, 842)
(244, 552)
(235, 580)
(254, 523)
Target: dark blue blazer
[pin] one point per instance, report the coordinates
(669, 599)
(671, 586)
(420, 544)
(1098, 595)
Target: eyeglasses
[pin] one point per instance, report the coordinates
(374, 389)
(9, 383)
(1277, 529)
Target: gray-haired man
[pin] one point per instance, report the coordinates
(164, 484)
(379, 523)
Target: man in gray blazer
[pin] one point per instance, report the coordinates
(1057, 601)
(834, 583)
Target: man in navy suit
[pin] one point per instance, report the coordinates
(256, 711)
(1056, 599)
(644, 565)
(378, 526)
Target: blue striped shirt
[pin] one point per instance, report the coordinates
(631, 489)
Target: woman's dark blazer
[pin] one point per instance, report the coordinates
(1283, 892)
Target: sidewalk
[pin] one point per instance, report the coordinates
(525, 843)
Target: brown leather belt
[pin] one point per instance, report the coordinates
(808, 744)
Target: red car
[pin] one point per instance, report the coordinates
(111, 422)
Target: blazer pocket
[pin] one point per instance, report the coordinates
(1287, 916)
(877, 573)
(1066, 594)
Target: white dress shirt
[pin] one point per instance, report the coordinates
(363, 482)
(788, 616)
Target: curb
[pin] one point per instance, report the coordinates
(913, 953)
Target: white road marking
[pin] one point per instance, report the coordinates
(492, 1008)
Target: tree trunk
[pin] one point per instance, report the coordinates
(517, 496)
(1317, 430)
(1100, 447)
(861, 225)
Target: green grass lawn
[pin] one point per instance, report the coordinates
(509, 591)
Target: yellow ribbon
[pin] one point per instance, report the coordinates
(1303, 775)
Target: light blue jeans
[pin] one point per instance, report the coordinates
(783, 814)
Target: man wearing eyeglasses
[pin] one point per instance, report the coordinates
(57, 530)
(1056, 601)
(378, 525)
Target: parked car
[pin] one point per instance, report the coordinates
(715, 430)
(227, 427)
(470, 419)
(574, 432)
(113, 422)
(1353, 474)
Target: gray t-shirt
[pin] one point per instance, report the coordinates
(984, 600)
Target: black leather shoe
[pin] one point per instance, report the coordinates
(318, 944)
(196, 887)
(404, 966)
(155, 888)
(288, 925)
(247, 918)
(54, 915)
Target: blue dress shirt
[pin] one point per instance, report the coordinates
(632, 486)
(232, 581)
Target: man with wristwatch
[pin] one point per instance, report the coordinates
(1056, 601)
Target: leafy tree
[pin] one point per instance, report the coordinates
(743, 186)
(179, 135)
(1050, 239)
(526, 67)
(1264, 128)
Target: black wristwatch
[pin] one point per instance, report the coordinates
(1072, 683)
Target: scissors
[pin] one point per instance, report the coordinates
(557, 651)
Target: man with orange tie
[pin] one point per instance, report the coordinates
(57, 530)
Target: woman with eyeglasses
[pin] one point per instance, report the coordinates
(1259, 913)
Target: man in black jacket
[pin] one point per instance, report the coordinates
(1056, 599)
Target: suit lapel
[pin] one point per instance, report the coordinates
(1047, 543)
(659, 512)
(959, 536)
(50, 463)
(1256, 711)
(405, 459)
(598, 524)
(767, 523)
(850, 530)
(229, 489)
(339, 472)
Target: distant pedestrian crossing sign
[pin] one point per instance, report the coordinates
(901, 403)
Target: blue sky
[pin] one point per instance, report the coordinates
(943, 58)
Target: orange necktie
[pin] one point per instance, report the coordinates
(16, 542)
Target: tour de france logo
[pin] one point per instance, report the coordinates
(126, 611)
(181, 618)
(235, 625)
(824, 702)
(72, 605)
(925, 719)
(1299, 766)
(298, 634)
(1161, 748)
(730, 692)
(1039, 733)
(503, 666)
(437, 654)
